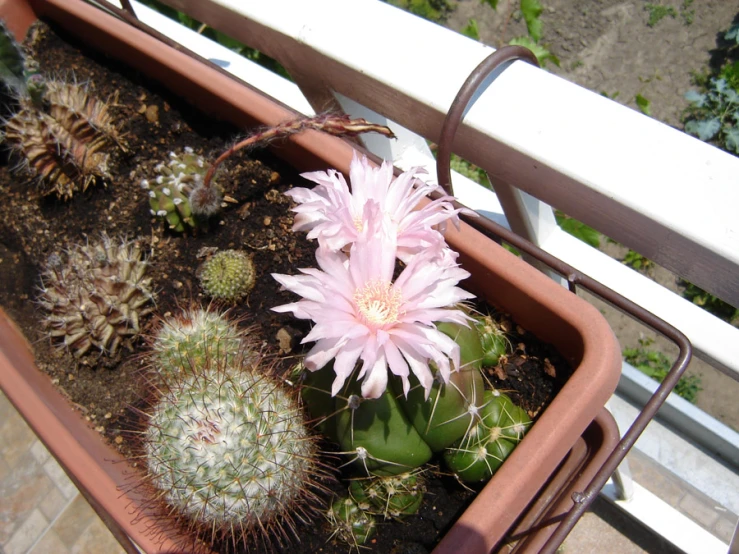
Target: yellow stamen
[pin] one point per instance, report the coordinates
(378, 303)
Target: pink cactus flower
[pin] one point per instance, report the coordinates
(333, 214)
(361, 314)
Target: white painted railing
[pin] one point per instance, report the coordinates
(623, 173)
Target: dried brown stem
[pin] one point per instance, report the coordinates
(337, 125)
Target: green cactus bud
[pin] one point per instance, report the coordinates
(482, 451)
(493, 340)
(193, 339)
(229, 450)
(351, 523)
(229, 275)
(97, 296)
(451, 409)
(171, 192)
(393, 496)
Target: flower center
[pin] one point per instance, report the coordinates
(378, 303)
(358, 223)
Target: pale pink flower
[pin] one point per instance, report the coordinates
(361, 314)
(333, 214)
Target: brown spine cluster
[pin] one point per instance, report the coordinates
(96, 297)
(66, 141)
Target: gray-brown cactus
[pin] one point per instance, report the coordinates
(95, 295)
(65, 140)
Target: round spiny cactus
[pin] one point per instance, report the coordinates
(351, 521)
(194, 338)
(63, 141)
(177, 194)
(96, 294)
(392, 496)
(229, 275)
(484, 449)
(229, 450)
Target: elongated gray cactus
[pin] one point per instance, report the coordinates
(96, 295)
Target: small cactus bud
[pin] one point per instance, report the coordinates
(97, 296)
(393, 496)
(229, 275)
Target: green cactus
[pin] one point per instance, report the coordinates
(351, 522)
(451, 409)
(194, 338)
(493, 340)
(229, 450)
(13, 70)
(96, 295)
(480, 453)
(177, 194)
(393, 496)
(229, 275)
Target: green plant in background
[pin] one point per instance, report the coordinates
(222, 39)
(578, 229)
(637, 261)
(656, 365)
(711, 303)
(433, 10)
(657, 12)
(644, 105)
(713, 114)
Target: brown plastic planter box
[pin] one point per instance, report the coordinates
(549, 311)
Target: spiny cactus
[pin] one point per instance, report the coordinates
(64, 141)
(480, 453)
(351, 522)
(493, 341)
(393, 496)
(193, 339)
(96, 295)
(229, 275)
(228, 448)
(177, 194)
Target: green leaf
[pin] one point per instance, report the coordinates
(643, 104)
(471, 30)
(733, 33)
(531, 10)
(492, 3)
(704, 129)
(578, 230)
(732, 139)
(541, 52)
(695, 98)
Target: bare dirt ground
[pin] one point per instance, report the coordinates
(607, 46)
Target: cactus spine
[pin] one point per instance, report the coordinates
(97, 296)
(351, 521)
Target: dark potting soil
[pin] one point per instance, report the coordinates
(107, 391)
